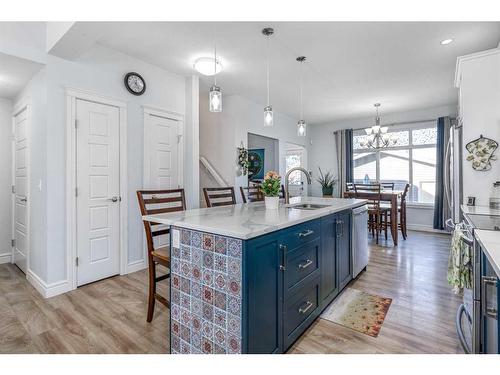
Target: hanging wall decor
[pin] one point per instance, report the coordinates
(243, 159)
(481, 153)
(256, 164)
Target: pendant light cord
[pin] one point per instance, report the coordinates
(215, 55)
(300, 93)
(267, 68)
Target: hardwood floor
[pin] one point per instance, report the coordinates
(421, 318)
(104, 317)
(110, 316)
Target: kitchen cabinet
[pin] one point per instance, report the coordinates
(344, 258)
(292, 275)
(329, 282)
(265, 295)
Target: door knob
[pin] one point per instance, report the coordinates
(113, 199)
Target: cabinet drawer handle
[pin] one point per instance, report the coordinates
(303, 310)
(306, 264)
(306, 233)
(488, 311)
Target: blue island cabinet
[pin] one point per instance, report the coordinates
(289, 277)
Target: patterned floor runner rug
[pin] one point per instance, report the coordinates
(359, 311)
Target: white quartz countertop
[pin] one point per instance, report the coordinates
(250, 220)
(490, 243)
(479, 210)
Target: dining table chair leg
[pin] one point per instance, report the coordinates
(385, 224)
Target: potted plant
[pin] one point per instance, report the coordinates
(327, 182)
(271, 187)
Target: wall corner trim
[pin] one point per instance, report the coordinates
(47, 290)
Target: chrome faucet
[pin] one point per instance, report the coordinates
(308, 176)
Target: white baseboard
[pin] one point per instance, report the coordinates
(424, 228)
(136, 266)
(5, 258)
(47, 290)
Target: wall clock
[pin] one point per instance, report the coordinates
(134, 83)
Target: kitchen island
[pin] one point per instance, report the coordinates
(249, 280)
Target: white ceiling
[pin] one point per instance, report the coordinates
(350, 65)
(15, 73)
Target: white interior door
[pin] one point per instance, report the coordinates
(162, 145)
(21, 195)
(98, 191)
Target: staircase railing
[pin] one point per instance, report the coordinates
(213, 172)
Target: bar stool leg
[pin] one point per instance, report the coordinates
(152, 290)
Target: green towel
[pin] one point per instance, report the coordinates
(459, 263)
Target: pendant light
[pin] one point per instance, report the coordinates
(268, 110)
(215, 94)
(301, 125)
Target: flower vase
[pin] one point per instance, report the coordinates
(272, 203)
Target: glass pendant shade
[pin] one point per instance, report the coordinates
(301, 128)
(268, 116)
(215, 99)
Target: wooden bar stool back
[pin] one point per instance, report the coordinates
(157, 202)
(219, 196)
(251, 194)
(387, 185)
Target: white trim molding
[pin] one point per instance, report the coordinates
(137, 265)
(71, 97)
(6, 257)
(48, 290)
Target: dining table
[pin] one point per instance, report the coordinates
(385, 196)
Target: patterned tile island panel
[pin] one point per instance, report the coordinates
(206, 296)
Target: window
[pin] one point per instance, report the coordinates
(294, 160)
(295, 157)
(412, 159)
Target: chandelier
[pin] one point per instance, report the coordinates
(376, 136)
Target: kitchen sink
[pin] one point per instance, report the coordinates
(309, 206)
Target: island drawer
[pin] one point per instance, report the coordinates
(300, 310)
(300, 234)
(301, 262)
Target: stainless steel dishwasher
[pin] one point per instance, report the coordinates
(359, 239)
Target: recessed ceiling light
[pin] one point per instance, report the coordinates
(206, 66)
(446, 41)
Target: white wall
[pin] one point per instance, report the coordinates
(99, 70)
(480, 112)
(23, 39)
(222, 133)
(5, 179)
(323, 152)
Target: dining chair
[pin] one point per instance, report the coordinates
(402, 212)
(251, 194)
(387, 185)
(377, 214)
(219, 196)
(158, 202)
